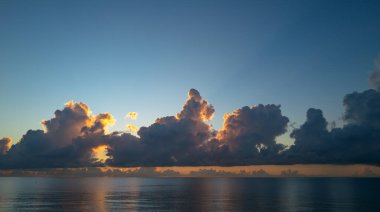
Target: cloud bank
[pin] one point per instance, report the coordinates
(74, 137)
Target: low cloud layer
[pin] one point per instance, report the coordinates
(75, 137)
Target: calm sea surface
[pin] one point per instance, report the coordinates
(188, 194)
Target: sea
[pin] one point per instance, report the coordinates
(188, 194)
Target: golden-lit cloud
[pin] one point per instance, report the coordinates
(132, 115)
(78, 106)
(103, 121)
(223, 130)
(196, 108)
(68, 123)
(100, 153)
(74, 137)
(5, 145)
(132, 128)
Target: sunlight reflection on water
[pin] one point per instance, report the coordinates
(188, 194)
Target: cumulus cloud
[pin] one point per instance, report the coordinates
(132, 115)
(60, 144)
(67, 123)
(363, 108)
(99, 124)
(75, 137)
(196, 108)
(172, 140)
(5, 144)
(358, 141)
(249, 133)
(312, 140)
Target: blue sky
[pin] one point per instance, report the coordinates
(144, 56)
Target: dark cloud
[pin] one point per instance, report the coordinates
(358, 141)
(63, 143)
(28, 152)
(170, 140)
(249, 134)
(363, 108)
(73, 137)
(312, 140)
(125, 150)
(248, 137)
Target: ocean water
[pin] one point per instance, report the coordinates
(188, 194)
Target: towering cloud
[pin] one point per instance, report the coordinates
(67, 123)
(172, 140)
(312, 140)
(249, 133)
(196, 108)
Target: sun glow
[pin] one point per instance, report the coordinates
(100, 153)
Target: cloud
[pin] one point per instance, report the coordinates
(132, 128)
(74, 137)
(125, 149)
(132, 115)
(196, 108)
(172, 140)
(99, 124)
(5, 145)
(290, 173)
(358, 141)
(67, 123)
(363, 108)
(249, 133)
(311, 140)
(374, 80)
(61, 143)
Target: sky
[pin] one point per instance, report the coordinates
(145, 56)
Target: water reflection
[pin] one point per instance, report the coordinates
(188, 194)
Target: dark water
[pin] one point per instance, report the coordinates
(189, 194)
